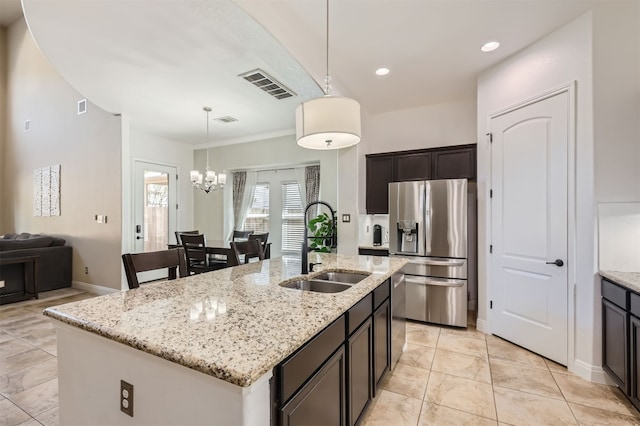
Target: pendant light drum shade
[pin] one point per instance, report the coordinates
(329, 122)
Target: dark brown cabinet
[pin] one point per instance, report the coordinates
(634, 345)
(359, 380)
(381, 341)
(614, 328)
(321, 401)
(379, 174)
(451, 162)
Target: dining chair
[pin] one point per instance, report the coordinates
(250, 249)
(195, 250)
(179, 233)
(241, 235)
(263, 237)
(134, 263)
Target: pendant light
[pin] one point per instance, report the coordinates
(212, 181)
(328, 122)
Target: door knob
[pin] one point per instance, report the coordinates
(557, 262)
(138, 237)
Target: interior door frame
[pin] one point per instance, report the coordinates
(570, 89)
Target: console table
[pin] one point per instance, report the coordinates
(29, 287)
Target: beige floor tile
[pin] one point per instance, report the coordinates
(461, 394)
(19, 381)
(51, 348)
(417, 356)
(469, 332)
(555, 367)
(531, 380)
(390, 408)
(39, 398)
(406, 380)
(461, 365)
(24, 360)
(31, 422)
(433, 414)
(463, 345)
(423, 335)
(11, 414)
(502, 350)
(580, 391)
(4, 337)
(12, 347)
(49, 417)
(521, 408)
(595, 416)
(40, 338)
(27, 325)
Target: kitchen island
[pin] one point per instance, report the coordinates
(188, 362)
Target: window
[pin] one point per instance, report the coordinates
(292, 218)
(258, 216)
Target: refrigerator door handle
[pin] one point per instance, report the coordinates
(431, 262)
(445, 282)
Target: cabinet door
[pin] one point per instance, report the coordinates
(321, 401)
(379, 174)
(634, 343)
(614, 344)
(415, 166)
(381, 342)
(455, 163)
(359, 373)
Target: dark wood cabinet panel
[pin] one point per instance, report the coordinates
(322, 400)
(379, 174)
(381, 342)
(634, 344)
(359, 373)
(615, 322)
(454, 163)
(412, 167)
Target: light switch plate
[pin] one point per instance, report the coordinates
(346, 218)
(2, 284)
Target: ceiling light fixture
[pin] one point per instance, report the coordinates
(328, 122)
(490, 46)
(382, 71)
(212, 181)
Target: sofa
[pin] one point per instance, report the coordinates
(54, 262)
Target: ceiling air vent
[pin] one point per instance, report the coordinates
(264, 81)
(227, 119)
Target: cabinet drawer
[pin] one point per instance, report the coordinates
(360, 312)
(634, 302)
(381, 293)
(295, 371)
(615, 294)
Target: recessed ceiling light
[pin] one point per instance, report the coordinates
(382, 71)
(488, 47)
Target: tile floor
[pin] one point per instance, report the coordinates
(446, 377)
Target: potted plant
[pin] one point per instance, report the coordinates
(322, 233)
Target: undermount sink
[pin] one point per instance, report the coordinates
(317, 286)
(327, 282)
(341, 277)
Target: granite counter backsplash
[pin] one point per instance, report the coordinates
(262, 325)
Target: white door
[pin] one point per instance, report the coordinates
(154, 210)
(529, 226)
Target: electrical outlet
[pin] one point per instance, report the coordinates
(2, 284)
(86, 269)
(126, 398)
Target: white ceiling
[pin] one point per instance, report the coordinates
(159, 62)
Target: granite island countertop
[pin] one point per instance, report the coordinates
(631, 280)
(263, 324)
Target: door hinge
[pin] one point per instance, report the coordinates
(490, 304)
(490, 248)
(176, 176)
(490, 137)
(491, 193)
(176, 206)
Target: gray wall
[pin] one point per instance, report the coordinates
(86, 146)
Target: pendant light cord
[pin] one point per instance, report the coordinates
(327, 78)
(207, 110)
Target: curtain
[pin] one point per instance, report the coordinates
(300, 179)
(312, 185)
(246, 199)
(239, 184)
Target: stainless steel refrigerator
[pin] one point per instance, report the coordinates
(429, 225)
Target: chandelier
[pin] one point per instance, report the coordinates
(328, 122)
(212, 180)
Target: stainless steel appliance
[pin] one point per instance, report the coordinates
(428, 221)
(377, 235)
(398, 316)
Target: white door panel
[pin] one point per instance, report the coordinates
(529, 226)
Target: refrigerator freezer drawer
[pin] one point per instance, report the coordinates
(435, 266)
(444, 300)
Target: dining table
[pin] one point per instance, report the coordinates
(213, 246)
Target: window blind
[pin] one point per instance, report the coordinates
(257, 219)
(292, 218)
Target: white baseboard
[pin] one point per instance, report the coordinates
(93, 288)
(481, 325)
(590, 372)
